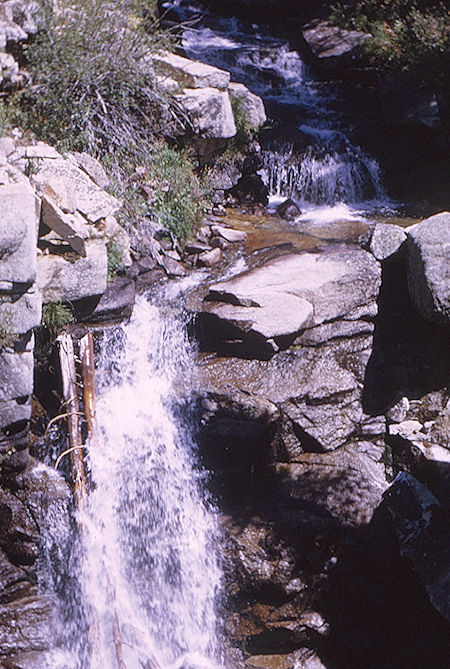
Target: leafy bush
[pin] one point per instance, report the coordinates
(405, 33)
(244, 131)
(176, 197)
(92, 89)
(115, 257)
(56, 316)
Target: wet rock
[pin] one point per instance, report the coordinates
(288, 210)
(229, 234)
(196, 247)
(273, 303)
(330, 41)
(210, 258)
(251, 189)
(116, 303)
(347, 484)
(173, 268)
(299, 659)
(407, 99)
(422, 528)
(429, 267)
(25, 625)
(262, 559)
(386, 240)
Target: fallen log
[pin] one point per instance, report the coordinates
(70, 395)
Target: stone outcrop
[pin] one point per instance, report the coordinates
(429, 267)
(422, 527)
(56, 225)
(20, 303)
(305, 431)
(270, 306)
(203, 93)
(26, 512)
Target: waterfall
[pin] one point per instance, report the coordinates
(149, 557)
(329, 169)
(323, 175)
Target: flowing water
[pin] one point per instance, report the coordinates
(320, 167)
(148, 559)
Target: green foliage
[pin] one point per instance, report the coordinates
(405, 33)
(175, 193)
(92, 89)
(7, 335)
(56, 316)
(244, 131)
(115, 257)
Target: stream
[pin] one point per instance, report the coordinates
(151, 557)
(319, 167)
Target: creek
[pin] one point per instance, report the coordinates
(152, 550)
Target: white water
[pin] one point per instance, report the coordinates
(329, 169)
(150, 551)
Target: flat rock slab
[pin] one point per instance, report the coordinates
(278, 300)
(190, 73)
(429, 267)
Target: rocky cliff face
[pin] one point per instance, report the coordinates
(321, 381)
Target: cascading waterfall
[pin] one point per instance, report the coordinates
(323, 175)
(149, 561)
(329, 169)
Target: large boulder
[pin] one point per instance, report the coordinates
(67, 279)
(210, 112)
(190, 73)
(62, 177)
(429, 267)
(422, 528)
(18, 234)
(347, 484)
(331, 42)
(272, 304)
(252, 104)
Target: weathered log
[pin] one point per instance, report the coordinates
(70, 394)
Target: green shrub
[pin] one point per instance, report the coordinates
(176, 197)
(56, 316)
(404, 33)
(91, 88)
(115, 257)
(244, 131)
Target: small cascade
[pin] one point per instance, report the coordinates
(328, 169)
(149, 565)
(323, 175)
